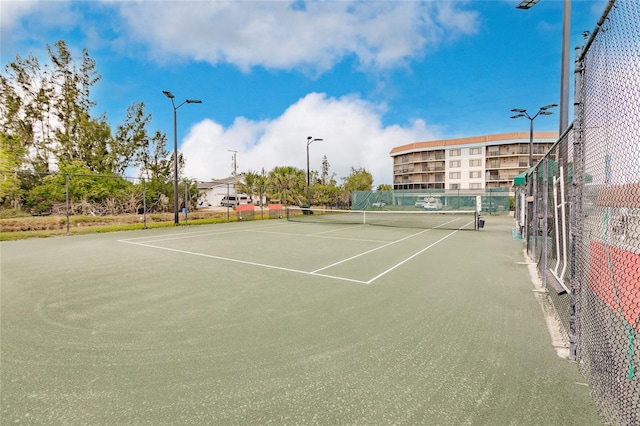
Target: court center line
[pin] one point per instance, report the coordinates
(410, 257)
(244, 262)
(371, 251)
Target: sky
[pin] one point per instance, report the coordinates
(364, 76)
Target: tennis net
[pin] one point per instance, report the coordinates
(457, 219)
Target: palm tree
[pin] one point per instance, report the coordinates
(254, 184)
(245, 186)
(287, 184)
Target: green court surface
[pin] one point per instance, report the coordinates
(273, 322)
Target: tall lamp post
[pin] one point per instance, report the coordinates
(523, 113)
(310, 140)
(175, 149)
(564, 63)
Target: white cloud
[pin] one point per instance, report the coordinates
(13, 11)
(275, 34)
(351, 128)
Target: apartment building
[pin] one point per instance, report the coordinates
(477, 162)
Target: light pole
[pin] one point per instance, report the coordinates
(310, 140)
(175, 149)
(523, 113)
(564, 63)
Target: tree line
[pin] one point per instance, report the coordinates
(48, 133)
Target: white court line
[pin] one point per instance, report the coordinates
(280, 268)
(372, 250)
(411, 257)
(291, 234)
(151, 236)
(333, 230)
(312, 273)
(190, 235)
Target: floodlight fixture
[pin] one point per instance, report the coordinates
(524, 113)
(168, 94)
(526, 4)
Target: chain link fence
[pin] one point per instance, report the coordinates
(61, 193)
(487, 201)
(580, 215)
(80, 195)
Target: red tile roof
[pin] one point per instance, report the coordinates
(416, 146)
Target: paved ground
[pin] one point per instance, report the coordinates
(236, 324)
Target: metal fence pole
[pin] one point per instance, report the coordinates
(534, 215)
(186, 204)
(576, 207)
(545, 210)
(144, 202)
(66, 179)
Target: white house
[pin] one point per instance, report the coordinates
(210, 194)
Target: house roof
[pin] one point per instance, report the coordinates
(473, 140)
(220, 182)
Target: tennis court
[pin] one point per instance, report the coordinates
(278, 322)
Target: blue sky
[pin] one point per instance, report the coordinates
(363, 75)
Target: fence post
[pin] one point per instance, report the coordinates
(144, 202)
(576, 206)
(545, 230)
(186, 203)
(66, 185)
(534, 215)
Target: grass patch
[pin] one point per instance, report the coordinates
(19, 228)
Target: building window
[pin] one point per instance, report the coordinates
(475, 175)
(475, 151)
(541, 148)
(454, 163)
(454, 175)
(454, 186)
(475, 186)
(454, 152)
(493, 150)
(475, 163)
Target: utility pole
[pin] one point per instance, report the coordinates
(233, 162)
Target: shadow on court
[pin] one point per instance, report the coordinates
(272, 322)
